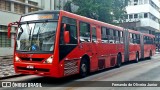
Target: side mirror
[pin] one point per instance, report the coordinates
(9, 28)
(66, 37)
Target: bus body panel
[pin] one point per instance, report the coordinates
(101, 55)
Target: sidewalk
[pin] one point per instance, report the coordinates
(6, 66)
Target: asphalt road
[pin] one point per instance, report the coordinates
(145, 70)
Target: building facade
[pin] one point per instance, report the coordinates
(11, 10)
(157, 41)
(145, 14)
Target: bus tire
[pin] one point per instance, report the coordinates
(137, 58)
(119, 60)
(83, 68)
(150, 55)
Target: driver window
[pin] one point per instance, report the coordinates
(71, 27)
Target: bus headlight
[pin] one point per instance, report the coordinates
(17, 59)
(49, 60)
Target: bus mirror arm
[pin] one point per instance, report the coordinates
(9, 28)
(9, 31)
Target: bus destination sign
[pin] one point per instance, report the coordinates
(39, 17)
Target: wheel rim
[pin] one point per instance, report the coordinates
(137, 58)
(83, 67)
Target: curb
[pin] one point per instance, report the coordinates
(6, 57)
(1, 78)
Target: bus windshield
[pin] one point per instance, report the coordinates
(36, 37)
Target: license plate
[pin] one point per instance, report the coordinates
(30, 67)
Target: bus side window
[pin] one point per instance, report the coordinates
(134, 38)
(94, 36)
(131, 38)
(145, 39)
(85, 32)
(104, 34)
(121, 37)
(117, 36)
(111, 36)
(137, 39)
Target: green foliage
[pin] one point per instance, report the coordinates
(102, 10)
(67, 6)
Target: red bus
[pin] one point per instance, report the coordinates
(59, 44)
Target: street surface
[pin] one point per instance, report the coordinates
(145, 70)
(6, 66)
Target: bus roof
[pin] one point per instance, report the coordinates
(149, 35)
(133, 31)
(78, 17)
(93, 21)
(101, 23)
(42, 12)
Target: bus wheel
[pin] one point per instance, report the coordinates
(150, 55)
(119, 60)
(83, 68)
(137, 58)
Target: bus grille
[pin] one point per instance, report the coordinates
(35, 69)
(70, 67)
(33, 59)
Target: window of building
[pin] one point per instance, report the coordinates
(20, 9)
(154, 18)
(5, 5)
(145, 15)
(145, 1)
(140, 2)
(32, 9)
(135, 15)
(2, 27)
(4, 41)
(140, 15)
(130, 16)
(33, 3)
(8, 6)
(21, 0)
(154, 5)
(135, 2)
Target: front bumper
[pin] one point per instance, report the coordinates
(38, 69)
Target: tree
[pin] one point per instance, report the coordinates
(119, 9)
(67, 6)
(102, 10)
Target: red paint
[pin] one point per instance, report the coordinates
(95, 50)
